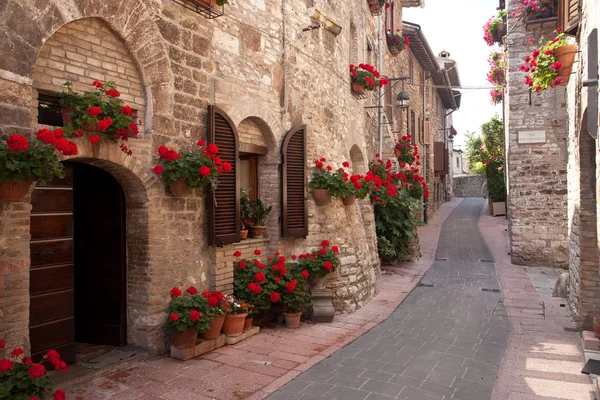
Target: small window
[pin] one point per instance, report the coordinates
(249, 174)
(49, 110)
(457, 163)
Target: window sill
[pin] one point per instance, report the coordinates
(549, 22)
(252, 241)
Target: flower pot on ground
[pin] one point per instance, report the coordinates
(248, 323)
(243, 234)
(216, 313)
(187, 315)
(349, 200)
(498, 208)
(189, 170)
(292, 320)
(185, 339)
(179, 188)
(258, 232)
(101, 112)
(23, 162)
(236, 312)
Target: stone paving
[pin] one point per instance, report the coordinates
(445, 341)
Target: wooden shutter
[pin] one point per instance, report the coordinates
(426, 133)
(294, 220)
(569, 15)
(224, 201)
(413, 127)
(389, 105)
(438, 157)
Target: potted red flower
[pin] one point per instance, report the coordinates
(405, 152)
(495, 29)
(215, 313)
(24, 162)
(365, 77)
(99, 112)
(236, 312)
(320, 263)
(21, 378)
(187, 315)
(496, 95)
(550, 64)
(537, 9)
(295, 303)
(395, 42)
(183, 171)
(496, 74)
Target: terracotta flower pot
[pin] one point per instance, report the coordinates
(185, 339)
(566, 56)
(66, 116)
(358, 89)
(258, 232)
(248, 323)
(292, 320)
(597, 327)
(179, 188)
(500, 31)
(244, 234)
(234, 324)
(321, 196)
(215, 328)
(14, 191)
(393, 49)
(349, 200)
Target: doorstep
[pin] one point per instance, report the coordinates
(204, 346)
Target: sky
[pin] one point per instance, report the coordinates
(456, 26)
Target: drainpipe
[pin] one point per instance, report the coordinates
(284, 62)
(425, 201)
(380, 68)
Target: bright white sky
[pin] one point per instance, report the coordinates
(456, 26)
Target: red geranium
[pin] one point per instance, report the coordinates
(94, 111)
(174, 317)
(104, 124)
(325, 243)
(113, 93)
(204, 171)
(304, 273)
(59, 395)
(242, 264)
(6, 365)
(16, 142)
(291, 286)
(335, 249)
(257, 252)
(2, 344)
(274, 297)
(259, 277)
(98, 84)
(192, 290)
(195, 315)
(175, 292)
(16, 352)
(126, 110)
(94, 139)
(158, 170)
(327, 265)
(237, 253)
(36, 371)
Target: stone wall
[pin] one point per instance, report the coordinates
(470, 186)
(537, 188)
(584, 281)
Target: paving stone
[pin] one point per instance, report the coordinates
(317, 389)
(343, 393)
(436, 388)
(385, 388)
(420, 394)
(346, 381)
(296, 386)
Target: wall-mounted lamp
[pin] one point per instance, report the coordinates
(403, 100)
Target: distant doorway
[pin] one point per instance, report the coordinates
(78, 273)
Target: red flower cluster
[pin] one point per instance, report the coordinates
(214, 298)
(16, 142)
(367, 76)
(168, 154)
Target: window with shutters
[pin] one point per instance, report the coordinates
(389, 18)
(294, 216)
(249, 174)
(569, 15)
(224, 201)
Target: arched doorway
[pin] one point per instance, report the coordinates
(78, 258)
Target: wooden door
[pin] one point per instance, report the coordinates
(100, 282)
(52, 319)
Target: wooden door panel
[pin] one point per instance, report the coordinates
(52, 200)
(51, 306)
(46, 226)
(51, 278)
(51, 252)
(52, 300)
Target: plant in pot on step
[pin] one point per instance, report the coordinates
(365, 77)
(187, 315)
(245, 213)
(295, 304)
(550, 65)
(22, 379)
(24, 162)
(188, 170)
(320, 263)
(216, 314)
(259, 213)
(101, 112)
(236, 312)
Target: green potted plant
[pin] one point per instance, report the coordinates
(24, 162)
(187, 315)
(320, 263)
(236, 312)
(496, 74)
(259, 214)
(550, 64)
(396, 42)
(183, 171)
(365, 77)
(99, 112)
(22, 379)
(495, 29)
(216, 314)
(245, 213)
(294, 305)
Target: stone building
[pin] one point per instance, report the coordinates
(582, 23)
(262, 76)
(535, 153)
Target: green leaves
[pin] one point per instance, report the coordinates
(39, 163)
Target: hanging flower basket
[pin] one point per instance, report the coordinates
(179, 188)
(14, 191)
(565, 55)
(395, 42)
(365, 77)
(358, 89)
(349, 200)
(321, 196)
(495, 29)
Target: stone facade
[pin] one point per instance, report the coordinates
(170, 63)
(537, 173)
(470, 186)
(584, 280)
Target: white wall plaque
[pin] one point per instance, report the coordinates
(532, 137)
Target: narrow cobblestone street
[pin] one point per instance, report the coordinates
(446, 340)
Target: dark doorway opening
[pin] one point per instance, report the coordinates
(78, 259)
